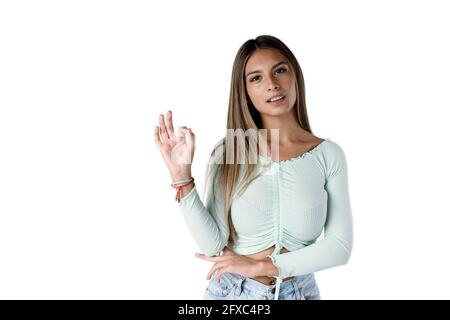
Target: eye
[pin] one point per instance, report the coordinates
(280, 69)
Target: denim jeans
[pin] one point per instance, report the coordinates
(234, 286)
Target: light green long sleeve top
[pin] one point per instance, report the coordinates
(287, 205)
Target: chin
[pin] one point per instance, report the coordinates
(277, 110)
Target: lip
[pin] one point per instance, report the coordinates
(278, 102)
(274, 96)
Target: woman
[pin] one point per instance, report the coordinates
(265, 207)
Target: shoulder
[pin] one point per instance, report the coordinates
(216, 155)
(332, 157)
(333, 149)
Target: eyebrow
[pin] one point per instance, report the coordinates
(274, 66)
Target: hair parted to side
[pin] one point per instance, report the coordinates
(243, 118)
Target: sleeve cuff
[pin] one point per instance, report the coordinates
(187, 196)
(276, 266)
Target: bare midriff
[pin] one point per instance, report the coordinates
(260, 256)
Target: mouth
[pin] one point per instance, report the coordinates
(277, 100)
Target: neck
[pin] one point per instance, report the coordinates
(285, 126)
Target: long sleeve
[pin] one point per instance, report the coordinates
(336, 246)
(206, 222)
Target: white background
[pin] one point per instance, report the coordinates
(86, 206)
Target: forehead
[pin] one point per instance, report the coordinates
(263, 59)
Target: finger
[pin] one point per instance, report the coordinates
(218, 276)
(162, 125)
(210, 273)
(216, 266)
(157, 137)
(191, 138)
(170, 125)
(204, 257)
(182, 134)
(212, 259)
(221, 272)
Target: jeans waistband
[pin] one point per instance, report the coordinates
(251, 284)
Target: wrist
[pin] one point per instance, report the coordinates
(179, 177)
(183, 187)
(267, 268)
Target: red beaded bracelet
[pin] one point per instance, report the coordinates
(179, 186)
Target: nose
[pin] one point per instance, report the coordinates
(273, 86)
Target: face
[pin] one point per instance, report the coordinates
(268, 74)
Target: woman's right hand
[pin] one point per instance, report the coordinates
(176, 152)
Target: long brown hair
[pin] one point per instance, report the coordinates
(242, 115)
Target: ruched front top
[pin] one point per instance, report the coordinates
(288, 205)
